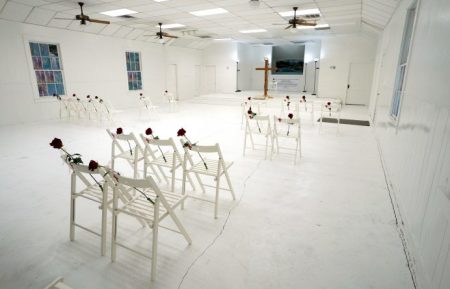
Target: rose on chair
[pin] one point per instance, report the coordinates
(182, 133)
(71, 158)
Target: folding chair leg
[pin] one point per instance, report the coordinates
(155, 239)
(104, 220)
(173, 180)
(114, 237)
(191, 182)
(72, 218)
(199, 180)
(72, 206)
(155, 173)
(216, 201)
(163, 174)
(183, 187)
(230, 186)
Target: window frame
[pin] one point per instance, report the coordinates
(401, 74)
(140, 70)
(27, 39)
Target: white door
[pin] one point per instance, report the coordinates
(172, 80)
(197, 83)
(359, 83)
(210, 79)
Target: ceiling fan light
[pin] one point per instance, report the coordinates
(161, 40)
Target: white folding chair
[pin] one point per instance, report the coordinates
(288, 105)
(163, 153)
(146, 103)
(91, 108)
(258, 125)
(288, 129)
(330, 109)
(94, 189)
(209, 166)
(126, 147)
(149, 204)
(249, 104)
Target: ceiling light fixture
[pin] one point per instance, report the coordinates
(222, 39)
(169, 26)
(253, 31)
(208, 12)
(119, 12)
(300, 12)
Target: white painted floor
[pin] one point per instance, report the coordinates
(325, 223)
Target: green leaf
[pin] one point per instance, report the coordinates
(156, 137)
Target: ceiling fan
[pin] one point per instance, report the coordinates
(160, 34)
(83, 17)
(296, 21)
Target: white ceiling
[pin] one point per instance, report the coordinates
(343, 16)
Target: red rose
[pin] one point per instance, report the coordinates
(328, 103)
(119, 130)
(74, 95)
(250, 111)
(148, 131)
(304, 97)
(279, 119)
(93, 165)
(287, 96)
(56, 143)
(249, 98)
(181, 132)
(96, 97)
(290, 115)
(88, 96)
(140, 94)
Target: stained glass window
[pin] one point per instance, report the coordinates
(48, 69)
(134, 70)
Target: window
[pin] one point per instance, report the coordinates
(47, 68)
(134, 71)
(403, 62)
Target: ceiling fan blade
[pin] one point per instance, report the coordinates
(278, 23)
(59, 18)
(288, 27)
(99, 21)
(307, 24)
(170, 36)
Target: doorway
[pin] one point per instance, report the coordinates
(172, 80)
(359, 83)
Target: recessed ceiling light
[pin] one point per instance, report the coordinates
(300, 12)
(208, 12)
(222, 39)
(313, 27)
(253, 31)
(168, 26)
(118, 12)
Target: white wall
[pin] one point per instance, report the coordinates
(222, 55)
(92, 65)
(340, 51)
(416, 150)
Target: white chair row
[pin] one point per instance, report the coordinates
(161, 157)
(89, 108)
(146, 104)
(286, 128)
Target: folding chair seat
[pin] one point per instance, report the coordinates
(258, 125)
(287, 128)
(126, 147)
(209, 166)
(149, 204)
(163, 153)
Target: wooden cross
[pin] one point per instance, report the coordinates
(266, 69)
